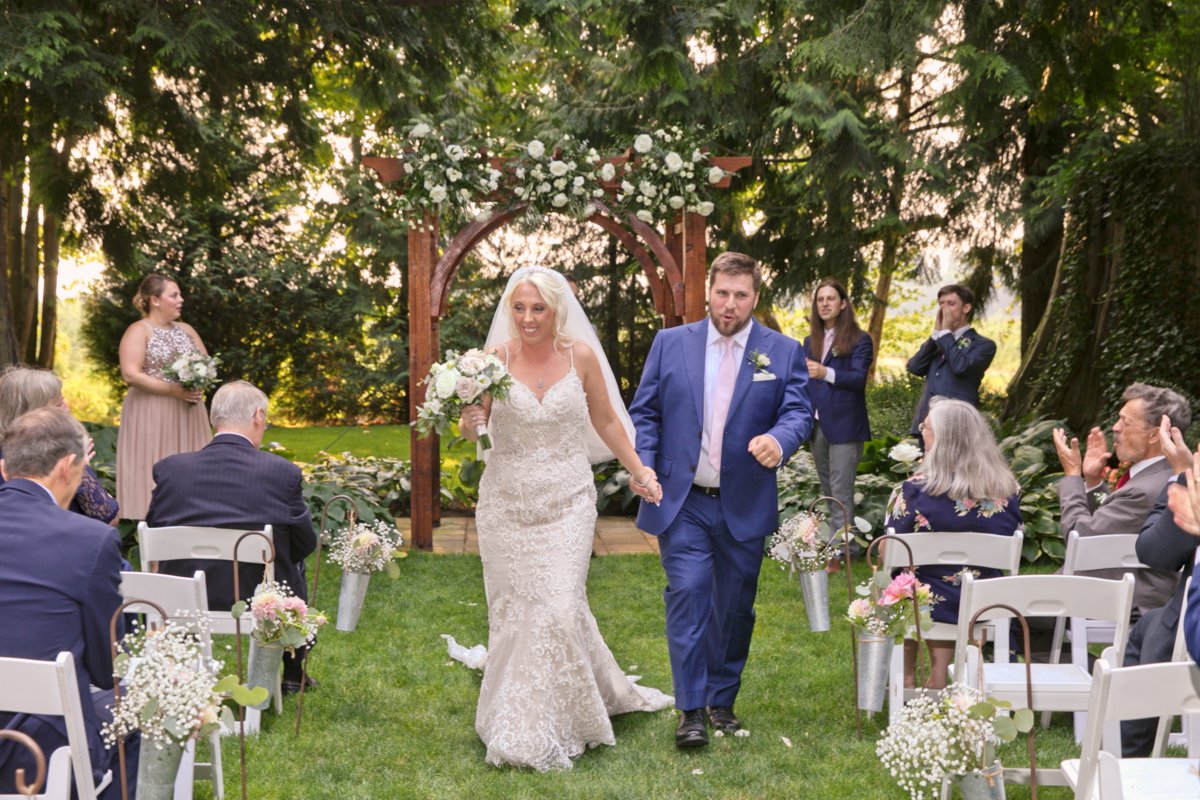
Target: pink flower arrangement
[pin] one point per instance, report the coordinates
(885, 606)
(280, 618)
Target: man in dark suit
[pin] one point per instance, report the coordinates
(60, 578)
(721, 405)
(954, 358)
(231, 483)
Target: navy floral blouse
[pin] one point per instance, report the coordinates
(914, 510)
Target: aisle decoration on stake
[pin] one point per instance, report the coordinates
(282, 622)
(951, 734)
(362, 549)
(884, 610)
(461, 380)
(169, 692)
(802, 545)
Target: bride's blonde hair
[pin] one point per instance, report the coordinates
(552, 287)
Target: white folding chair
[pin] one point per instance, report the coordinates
(1133, 693)
(187, 596)
(1189, 724)
(194, 542)
(50, 688)
(1056, 687)
(1085, 553)
(954, 548)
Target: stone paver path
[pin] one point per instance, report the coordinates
(614, 536)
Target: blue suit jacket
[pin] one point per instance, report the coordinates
(232, 484)
(60, 579)
(668, 413)
(842, 405)
(951, 368)
(1163, 545)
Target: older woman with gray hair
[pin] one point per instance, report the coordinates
(24, 389)
(963, 484)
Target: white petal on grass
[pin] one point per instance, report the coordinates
(786, 741)
(697, 772)
(743, 733)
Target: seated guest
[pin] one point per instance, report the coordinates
(231, 483)
(1093, 508)
(60, 577)
(963, 484)
(25, 389)
(1163, 545)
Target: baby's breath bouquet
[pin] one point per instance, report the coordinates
(170, 692)
(945, 735)
(193, 370)
(800, 543)
(668, 174)
(461, 380)
(368, 547)
(884, 605)
(280, 618)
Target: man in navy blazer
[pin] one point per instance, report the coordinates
(231, 483)
(954, 358)
(720, 498)
(60, 578)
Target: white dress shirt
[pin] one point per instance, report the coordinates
(706, 474)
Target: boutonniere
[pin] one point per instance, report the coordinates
(1113, 475)
(760, 362)
(835, 352)
(963, 342)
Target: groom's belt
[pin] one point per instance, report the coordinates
(711, 491)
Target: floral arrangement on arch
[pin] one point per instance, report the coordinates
(170, 692)
(441, 176)
(669, 173)
(368, 547)
(944, 734)
(884, 605)
(558, 177)
(280, 618)
(801, 545)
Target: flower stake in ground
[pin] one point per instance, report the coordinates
(953, 735)
(280, 618)
(461, 380)
(884, 605)
(170, 692)
(193, 370)
(362, 550)
(800, 543)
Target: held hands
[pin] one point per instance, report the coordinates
(646, 486)
(472, 419)
(185, 394)
(766, 451)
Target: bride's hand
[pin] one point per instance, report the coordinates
(646, 486)
(473, 418)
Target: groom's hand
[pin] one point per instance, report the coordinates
(766, 451)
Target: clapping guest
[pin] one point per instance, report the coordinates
(963, 484)
(839, 355)
(159, 417)
(24, 389)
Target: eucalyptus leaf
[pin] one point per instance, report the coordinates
(239, 608)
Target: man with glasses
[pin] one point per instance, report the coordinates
(231, 483)
(1094, 503)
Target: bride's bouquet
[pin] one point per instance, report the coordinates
(461, 380)
(194, 370)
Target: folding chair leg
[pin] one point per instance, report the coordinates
(186, 774)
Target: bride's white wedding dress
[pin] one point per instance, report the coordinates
(550, 683)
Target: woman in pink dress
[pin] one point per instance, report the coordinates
(159, 417)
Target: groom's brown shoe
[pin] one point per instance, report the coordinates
(692, 730)
(723, 720)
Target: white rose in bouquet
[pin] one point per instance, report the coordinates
(536, 149)
(643, 143)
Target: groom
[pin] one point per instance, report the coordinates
(721, 404)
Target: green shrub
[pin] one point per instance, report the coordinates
(891, 403)
(1030, 452)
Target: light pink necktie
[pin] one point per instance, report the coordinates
(722, 394)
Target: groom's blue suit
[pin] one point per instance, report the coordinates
(712, 546)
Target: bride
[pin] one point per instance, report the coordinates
(550, 683)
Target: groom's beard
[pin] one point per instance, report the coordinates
(731, 327)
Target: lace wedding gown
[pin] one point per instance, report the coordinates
(550, 683)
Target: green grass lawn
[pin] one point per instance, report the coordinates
(387, 441)
(394, 717)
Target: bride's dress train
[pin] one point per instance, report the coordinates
(550, 683)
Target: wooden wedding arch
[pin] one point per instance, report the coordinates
(675, 266)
